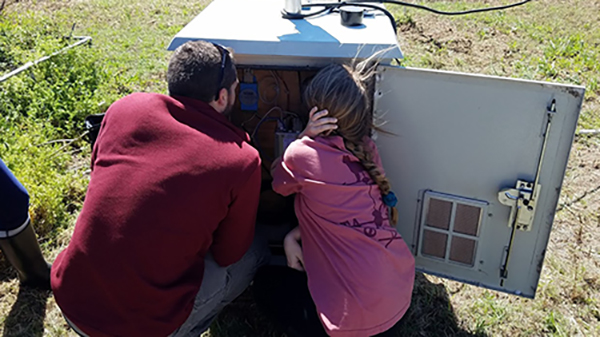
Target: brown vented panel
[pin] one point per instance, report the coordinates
(438, 214)
(451, 228)
(462, 250)
(466, 220)
(434, 244)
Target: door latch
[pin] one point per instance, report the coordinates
(522, 200)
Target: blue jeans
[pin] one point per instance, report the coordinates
(220, 286)
(14, 204)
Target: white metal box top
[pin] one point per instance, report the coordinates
(259, 35)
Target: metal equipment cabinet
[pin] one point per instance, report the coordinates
(477, 162)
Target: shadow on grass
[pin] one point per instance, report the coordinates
(6, 271)
(26, 317)
(430, 314)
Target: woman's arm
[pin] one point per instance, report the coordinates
(287, 169)
(317, 125)
(293, 250)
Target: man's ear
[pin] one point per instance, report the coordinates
(223, 98)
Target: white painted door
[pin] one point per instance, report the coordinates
(475, 203)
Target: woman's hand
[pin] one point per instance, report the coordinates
(318, 124)
(293, 250)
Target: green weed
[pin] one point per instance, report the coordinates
(61, 91)
(55, 185)
(570, 59)
(553, 324)
(20, 43)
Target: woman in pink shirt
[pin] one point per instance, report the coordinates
(359, 273)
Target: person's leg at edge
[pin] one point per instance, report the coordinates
(18, 241)
(222, 285)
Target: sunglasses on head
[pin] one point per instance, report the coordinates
(224, 52)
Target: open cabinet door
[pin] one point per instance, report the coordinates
(477, 164)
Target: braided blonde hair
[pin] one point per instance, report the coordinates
(344, 91)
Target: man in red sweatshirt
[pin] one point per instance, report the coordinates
(165, 237)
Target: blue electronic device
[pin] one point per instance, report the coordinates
(249, 96)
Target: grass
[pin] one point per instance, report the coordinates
(549, 40)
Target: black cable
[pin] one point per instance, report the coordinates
(287, 15)
(333, 6)
(253, 144)
(471, 11)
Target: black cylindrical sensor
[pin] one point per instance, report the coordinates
(351, 15)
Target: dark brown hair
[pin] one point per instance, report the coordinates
(344, 91)
(194, 70)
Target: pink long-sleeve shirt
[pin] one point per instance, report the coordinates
(360, 271)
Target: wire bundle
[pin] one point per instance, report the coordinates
(331, 7)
